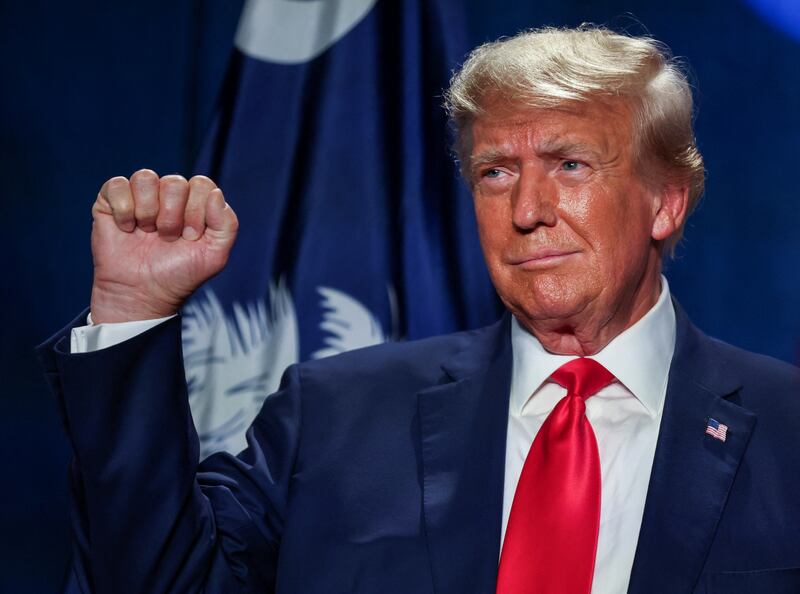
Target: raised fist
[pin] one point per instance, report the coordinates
(154, 242)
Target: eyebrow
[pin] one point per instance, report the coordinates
(486, 157)
(553, 147)
(558, 146)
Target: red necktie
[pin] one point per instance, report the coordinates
(551, 539)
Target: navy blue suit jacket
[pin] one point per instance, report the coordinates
(381, 471)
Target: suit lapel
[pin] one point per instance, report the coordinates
(692, 472)
(463, 424)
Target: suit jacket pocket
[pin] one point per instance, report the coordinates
(763, 581)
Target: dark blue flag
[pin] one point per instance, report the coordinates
(330, 142)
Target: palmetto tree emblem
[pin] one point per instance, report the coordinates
(233, 361)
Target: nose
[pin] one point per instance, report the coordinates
(534, 200)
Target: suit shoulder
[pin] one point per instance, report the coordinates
(767, 386)
(720, 366)
(415, 361)
(755, 366)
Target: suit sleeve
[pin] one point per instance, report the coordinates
(146, 516)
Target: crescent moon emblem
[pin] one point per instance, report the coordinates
(296, 31)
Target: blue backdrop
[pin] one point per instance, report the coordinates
(94, 89)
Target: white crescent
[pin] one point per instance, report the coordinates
(296, 31)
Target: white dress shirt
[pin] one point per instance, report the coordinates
(625, 416)
(93, 337)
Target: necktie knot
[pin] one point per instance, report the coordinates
(582, 377)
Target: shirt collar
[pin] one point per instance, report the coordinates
(639, 357)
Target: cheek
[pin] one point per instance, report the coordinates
(582, 205)
(622, 249)
(616, 219)
(493, 222)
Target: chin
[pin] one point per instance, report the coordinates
(537, 312)
(547, 297)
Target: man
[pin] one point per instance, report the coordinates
(663, 461)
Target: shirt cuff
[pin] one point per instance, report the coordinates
(89, 338)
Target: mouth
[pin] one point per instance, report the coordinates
(542, 258)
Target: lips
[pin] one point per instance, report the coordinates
(542, 257)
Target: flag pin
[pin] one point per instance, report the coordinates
(717, 430)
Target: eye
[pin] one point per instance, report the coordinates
(492, 179)
(571, 165)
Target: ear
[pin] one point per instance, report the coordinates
(671, 205)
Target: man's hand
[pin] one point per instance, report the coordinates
(154, 242)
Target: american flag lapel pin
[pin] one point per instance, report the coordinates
(717, 430)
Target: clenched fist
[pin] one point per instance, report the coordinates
(154, 241)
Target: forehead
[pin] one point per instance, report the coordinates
(597, 126)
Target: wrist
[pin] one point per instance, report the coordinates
(114, 306)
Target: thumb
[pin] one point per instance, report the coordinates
(221, 221)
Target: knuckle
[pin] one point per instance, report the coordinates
(172, 204)
(202, 182)
(144, 174)
(121, 205)
(117, 183)
(144, 178)
(173, 179)
(174, 187)
(171, 212)
(122, 209)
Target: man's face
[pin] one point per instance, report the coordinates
(566, 223)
